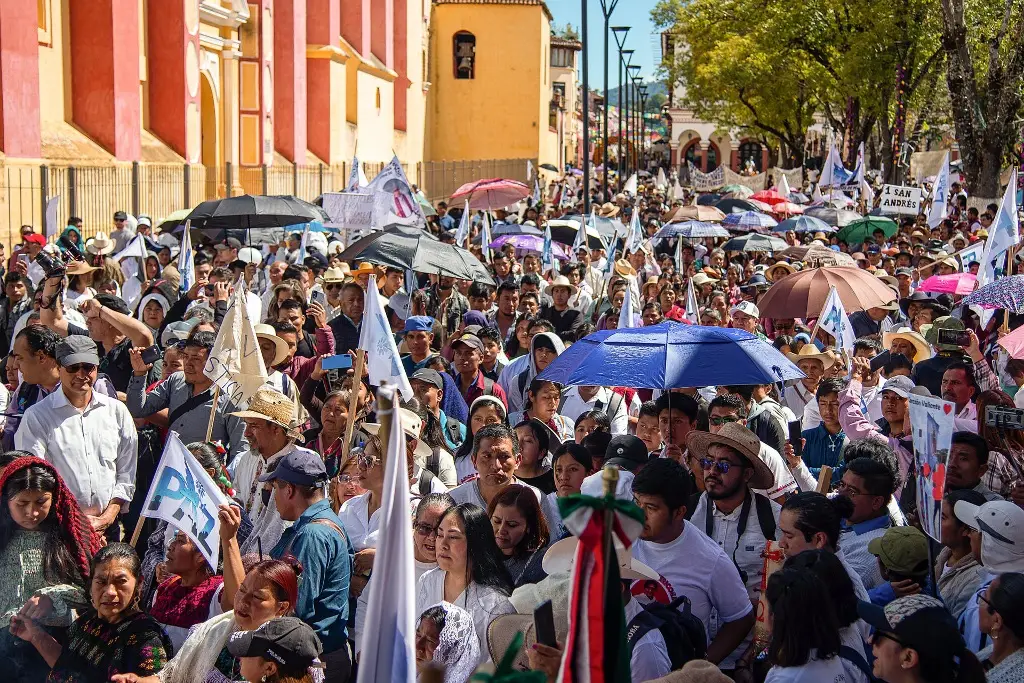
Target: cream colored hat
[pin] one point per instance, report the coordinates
(280, 345)
(272, 406)
(100, 245)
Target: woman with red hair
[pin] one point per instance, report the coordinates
(46, 546)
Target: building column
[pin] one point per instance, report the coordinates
(382, 31)
(173, 61)
(290, 79)
(19, 79)
(325, 66)
(401, 63)
(230, 116)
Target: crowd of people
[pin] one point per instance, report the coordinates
(99, 368)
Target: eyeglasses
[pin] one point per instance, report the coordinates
(719, 420)
(367, 461)
(349, 478)
(888, 636)
(424, 529)
(722, 466)
(848, 490)
(78, 367)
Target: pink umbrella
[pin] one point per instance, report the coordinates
(770, 197)
(956, 283)
(787, 209)
(1014, 343)
(493, 193)
(760, 206)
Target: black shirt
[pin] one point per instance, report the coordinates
(545, 482)
(566, 322)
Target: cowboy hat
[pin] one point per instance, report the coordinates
(411, 425)
(951, 262)
(280, 345)
(80, 268)
(559, 558)
(701, 279)
(810, 352)
(741, 440)
(272, 406)
(921, 348)
(363, 269)
(100, 245)
(774, 271)
(335, 274)
(563, 281)
(887, 279)
(624, 268)
(924, 300)
(608, 210)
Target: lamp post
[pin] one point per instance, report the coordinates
(631, 72)
(620, 40)
(643, 120)
(607, 7)
(586, 108)
(627, 94)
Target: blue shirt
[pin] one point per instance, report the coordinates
(444, 430)
(326, 558)
(823, 448)
(412, 366)
(973, 637)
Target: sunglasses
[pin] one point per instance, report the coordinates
(720, 420)
(367, 461)
(722, 466)
(878, 635)
(78, 367)
(423, 529)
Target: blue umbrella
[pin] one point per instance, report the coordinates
(500, 229)
(803, 224)
(691, 229)
(751, 220)
(798, 198)
(670, 355)
(1006, 292)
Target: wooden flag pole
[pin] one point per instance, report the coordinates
(1010, 254)
(353, 402)
(824, 479)
(213, 413)
(137, 532)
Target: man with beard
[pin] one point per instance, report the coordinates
(960, 387)
(446, 304)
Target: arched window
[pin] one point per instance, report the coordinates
(712, 158)
(464, 55)
(692, 154)
(750, 151)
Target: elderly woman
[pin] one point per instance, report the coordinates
(445, 636)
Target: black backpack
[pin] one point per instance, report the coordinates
(684, 634)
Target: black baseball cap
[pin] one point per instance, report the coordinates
(429, 376)
(626, 451)
(287, 641)
(300, 467)
(75, 349)
(919, 622)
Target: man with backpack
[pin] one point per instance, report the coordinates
(469, 354)
(739, 520)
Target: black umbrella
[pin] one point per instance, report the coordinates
(708, 199)
(549, 167)
(254, 211)
(734, 205)
(401, 246)
(564, 231)
(755, 242)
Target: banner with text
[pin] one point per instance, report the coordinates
(900, 199)
(932, 420)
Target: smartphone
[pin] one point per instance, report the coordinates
(544, 624)
(342, 361)
(879, 361)
(25, 259)
(954, 337)
(796, 437)
(318, 297)
(151, 355)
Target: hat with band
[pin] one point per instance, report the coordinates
(287, 641)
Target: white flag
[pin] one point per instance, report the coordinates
(462, 233)
(635, 233)
(186, 262)
(580, 241)
(51, 216)
(382, 360)
(609, 265)
(183, 495)
(547, 254)
(235, 364)
(529, 169)
(626, 312)
(536, 192)
(389, 655)
(677, 191)
(940, 190)
(679, 256)
(1003, 233)
(816, 197)
(783, 188)
(355, 175)
(692, 314)
(303, 241)
(972, 254)
(134, 269)
(631, 185)
(485, 236)
(834, 321)
(662, 181)
(867, 194)
(858, 171)
(392, 180)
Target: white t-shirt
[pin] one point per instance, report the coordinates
(357, 524)
(814, 671)
(649, 659)
(694, 566)
(853, 637)
(784, 481)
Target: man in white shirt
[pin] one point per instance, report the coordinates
(728, 409)
(580, 399)
(813, 364)
(496, 459)
(90, 438)
(689, 562)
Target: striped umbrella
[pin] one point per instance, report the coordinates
(749, 220)
(804, 224)
(1006, 292)
(691, 229)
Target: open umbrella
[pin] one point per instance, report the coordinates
(737, 191)
(802, 294)
(493, 193)
(417, 250)
(732, 205)
(708, 214)
(803, 224)
(749, 220)
(836, 217)
(855, 232)
(564, 231)
(755, 242)
(709, 199)
(172, 220)
(549, 167)
(691, 230)
(770, 197)
(531, 243)
(816, 257)
(786, 209)
(670, 355)
(1006, 292)
(954, 283)
(798, 197)
(607, 228)
(254, 211)
(499, 229)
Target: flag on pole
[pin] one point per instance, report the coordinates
(635, 234)
(679, 256)
(816, 197)
(692, 312)
(183, 495)
(485, 236)
(662, 181)
(631, 185)
(609, 265)
(1004, 232)
(858, 170)
(390, 654)
(134, 269)
(866, 193)
(626, 312)
(393, 181)
(235, 363)
(529, 169)
(580, 241)
(302, 244)
(186, 262)
(355, 177)
(677, 191)
(972, 254)
(462, 233)
(783, 189)
(940, 190)
(834, 321)
(536, 192)
(547, 254)
(382, 360)
(51, 216)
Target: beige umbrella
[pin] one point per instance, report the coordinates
(816, 257)
(707, 214)
(803, 294)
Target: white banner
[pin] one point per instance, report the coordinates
(235, 363)
(901, 199)
(392, 180)
(184, 496)
(361, 211)
(706, 182)
(932, 420)
(754, 182)
(794, 176)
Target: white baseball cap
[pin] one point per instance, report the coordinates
(747, 307)
(1001, 524)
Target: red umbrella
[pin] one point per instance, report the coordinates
(493, 193)
(769, 197)
(803, 294)
(786, 209)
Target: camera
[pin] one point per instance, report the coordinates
(53, 266)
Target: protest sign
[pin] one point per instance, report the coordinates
(184, 496)
(900, 199)
(235, 363)
(932, 420)
(774, 558)
(359, 211)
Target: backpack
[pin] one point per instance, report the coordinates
(426, 476)
(765, 517)
(453, 429)
(684, 634)
(857, 659)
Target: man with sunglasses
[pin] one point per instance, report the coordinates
(730, 409)
(89, 437)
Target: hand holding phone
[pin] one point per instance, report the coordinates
(796, 438)
(544, 624)
(879, 361)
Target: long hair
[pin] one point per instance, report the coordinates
(283, 577)
(70, 540)
(525, 501)
(837, 581)
(803, 618)
(485, 565)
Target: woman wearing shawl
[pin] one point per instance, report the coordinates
(445, 635)
(46, 545)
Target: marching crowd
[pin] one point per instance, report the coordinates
(99, 368)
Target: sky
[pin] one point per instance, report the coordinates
(641, 37)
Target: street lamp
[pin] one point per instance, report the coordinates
(607, 7)
(643, 119)
(631, 72)
(620, 40)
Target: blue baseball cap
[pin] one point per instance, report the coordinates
(300, 467)
(419, 323)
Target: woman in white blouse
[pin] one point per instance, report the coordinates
(470, 569)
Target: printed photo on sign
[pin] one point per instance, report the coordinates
(932, 420)
(647, 591)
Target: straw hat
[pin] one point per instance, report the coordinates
(695, 671)
(272, 406)
(741, 440)
(887, 279)
(624, 268)
(608, 210)
(922, 349)
(701, 279)
(951, 262)
(363, 269)
(411, 425)
(100, 245)
(810, 352)
(80, 268)
(563, 281)
(779, 270)
(335, 274)
(270, 334)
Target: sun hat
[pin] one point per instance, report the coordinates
(250, 255)
(810, 352)
(695, 671)
(946, 322)
(608, 210)
(80, 268)
(779, 270)
(100, 245)
(922, 348)
(363, 269)
(563, 281)
(267, 332)
(624, 268)
(559, 558)
(701, 279)
(1001, 524)
(272, 406)
(411, 426)
(741, 440)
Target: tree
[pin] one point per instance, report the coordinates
(985, 92)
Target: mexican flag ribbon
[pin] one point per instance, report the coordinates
(595, 649)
